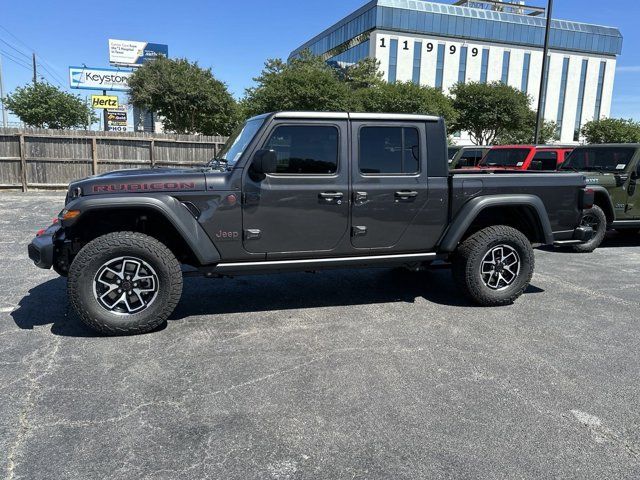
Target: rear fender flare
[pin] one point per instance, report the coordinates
(169, 207)
(470, 211)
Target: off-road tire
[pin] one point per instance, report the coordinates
(600, 229)
(95, 254)
(467, 260)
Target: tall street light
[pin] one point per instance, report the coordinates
(545, 66)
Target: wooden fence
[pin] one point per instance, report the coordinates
(50, 159)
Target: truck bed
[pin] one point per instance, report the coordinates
(560, 202)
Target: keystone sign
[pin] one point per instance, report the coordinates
(99, 78)
(104, 101)
(126, 52)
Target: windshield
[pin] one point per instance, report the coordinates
(505, 157)
(600, 159)
(238, 141)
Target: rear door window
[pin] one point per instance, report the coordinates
(389, 150)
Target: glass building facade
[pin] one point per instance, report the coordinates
(439, 44)
(417, 16)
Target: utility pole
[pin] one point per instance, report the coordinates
(543, 75)
(104, 115)
(35, 73)
(5, 121)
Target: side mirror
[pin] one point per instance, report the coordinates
(535, 165)
(264, 161)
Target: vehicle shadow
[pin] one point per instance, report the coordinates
(47, 303)
(611, 240)
(332, 288)
(617, 239)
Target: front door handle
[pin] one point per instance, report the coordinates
(406, 194)
(331, 196)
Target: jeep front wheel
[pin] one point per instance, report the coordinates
(494, 266)
(124, 283)
(595, 218)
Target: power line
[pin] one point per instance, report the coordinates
(14, 48)
(57, 78)
(15, 60)
(19, 41)
(54, 77)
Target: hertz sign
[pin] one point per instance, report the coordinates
(104, 101)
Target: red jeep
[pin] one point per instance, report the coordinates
(525, 157)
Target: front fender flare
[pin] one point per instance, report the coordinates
(470, 211)
(169, 207)
(601, 191)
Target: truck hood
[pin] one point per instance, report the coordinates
(141, 181)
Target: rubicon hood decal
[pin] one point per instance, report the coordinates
(140, 187)
(141, 181)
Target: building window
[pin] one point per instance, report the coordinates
(417, 61)
(462, 72)
(440, 66)
(506, 60)
(545, 82)
(525, 72)
(583, 81)
(305, 149)
(603, 69)
(484, 67)
(350, 56)
(393, 60)
(389, 150)
(563, 93)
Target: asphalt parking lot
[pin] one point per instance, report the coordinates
(339, 375)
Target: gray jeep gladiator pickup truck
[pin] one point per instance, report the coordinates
(304, 191)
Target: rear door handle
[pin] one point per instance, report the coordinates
(406, 194)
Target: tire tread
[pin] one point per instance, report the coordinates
(125, 239)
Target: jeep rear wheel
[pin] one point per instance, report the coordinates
(494, 266)
(124, 283)
(595, 218)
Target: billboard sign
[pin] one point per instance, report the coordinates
(117, 119)
(104, 101)
(131, 53)
(99, 78)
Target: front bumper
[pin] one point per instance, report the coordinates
(581, 234)
(42, 247)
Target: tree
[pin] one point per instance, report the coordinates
(524, 136)
(46, 106)
(404, 97)
(612, 130)
(305, 83)
(363, 74)
(188, 98)
(489, 111)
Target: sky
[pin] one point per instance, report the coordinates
(234, 37)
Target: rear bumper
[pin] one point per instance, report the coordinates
(42, 247)
(580, 235)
